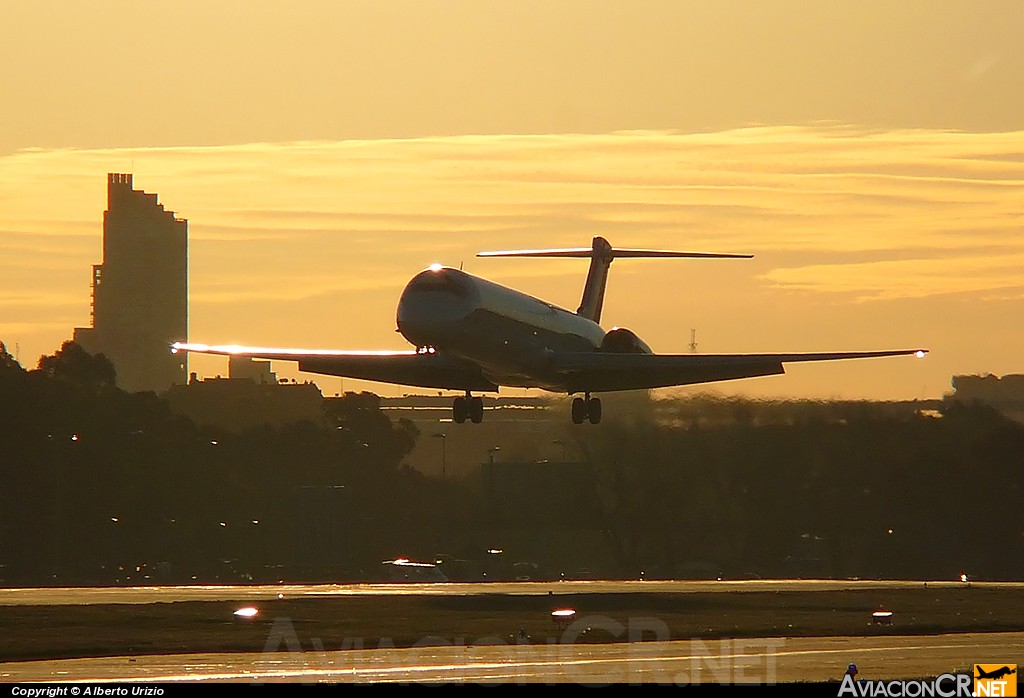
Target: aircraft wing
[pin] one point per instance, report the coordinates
(604, 371)
(421, 369)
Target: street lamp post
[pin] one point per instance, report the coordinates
(444, 454)
(491, 451)
(559, 442)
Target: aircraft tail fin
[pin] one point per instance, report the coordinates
(601, 254)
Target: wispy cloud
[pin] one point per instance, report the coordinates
(1002, 276)
(827, 188)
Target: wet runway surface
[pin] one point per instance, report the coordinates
(164, 594)
(510, 660)
(748, 660)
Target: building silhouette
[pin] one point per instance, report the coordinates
(140, 291)
(250, 397)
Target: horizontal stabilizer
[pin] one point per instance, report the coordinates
(612, 253)
(601, 254)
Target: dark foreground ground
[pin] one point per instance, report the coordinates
(41, 632)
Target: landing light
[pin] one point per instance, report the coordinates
(882, 617)
(247, 612)
(406, 562)
(919, 354)
(562, 616)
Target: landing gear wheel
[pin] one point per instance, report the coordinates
(476, 409)
(460, 411)
(586, 409)
(579, 410)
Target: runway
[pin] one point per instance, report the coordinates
(667, 632)
(55, 596)
(748, 660)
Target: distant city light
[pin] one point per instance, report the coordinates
(963, 578)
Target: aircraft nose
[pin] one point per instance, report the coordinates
(433, 302)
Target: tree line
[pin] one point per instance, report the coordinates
(100, 486)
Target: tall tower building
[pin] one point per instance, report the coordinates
(140, 291)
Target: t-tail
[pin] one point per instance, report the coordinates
(601, 255)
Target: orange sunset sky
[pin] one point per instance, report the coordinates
(870, 154)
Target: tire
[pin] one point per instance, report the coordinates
(459, 410)
(594, 410)
(579, 410)
(476, 409)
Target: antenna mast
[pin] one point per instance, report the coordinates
(693, 341)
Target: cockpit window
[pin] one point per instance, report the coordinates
(441, 280)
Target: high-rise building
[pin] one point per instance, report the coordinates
(140, 291)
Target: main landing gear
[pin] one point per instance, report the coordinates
(469, 407)
(586, 408)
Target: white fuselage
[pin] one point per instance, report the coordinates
(509, 334)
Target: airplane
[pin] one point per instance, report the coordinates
(474, 335)
(996, 674)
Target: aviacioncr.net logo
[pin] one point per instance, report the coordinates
(995, 680)
(944, 686)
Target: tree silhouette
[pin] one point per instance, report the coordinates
(8, 362)
(73, 364)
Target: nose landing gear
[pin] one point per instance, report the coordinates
(586, 408)
(469, 407)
